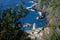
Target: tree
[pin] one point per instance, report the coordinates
(10, 27)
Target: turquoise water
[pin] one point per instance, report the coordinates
(30, 18)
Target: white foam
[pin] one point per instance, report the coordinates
(31, 6)
(40, 13)
(32, 9)
(26, 24)
(37, 18)
(40, 28)
(31, 2)
(28, 7)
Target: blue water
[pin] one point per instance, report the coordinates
(12, 3)
(30, 18)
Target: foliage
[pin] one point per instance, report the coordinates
(54, 33)
(9, 25)
(53, 7)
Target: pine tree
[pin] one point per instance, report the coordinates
(9, 25)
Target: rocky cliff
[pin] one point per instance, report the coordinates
(51, 7)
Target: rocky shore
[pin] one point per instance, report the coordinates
(51, 20)
(42, 8)
(37, 7)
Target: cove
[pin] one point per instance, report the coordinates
(30, 18)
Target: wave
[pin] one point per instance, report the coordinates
(40, 13)
(31, 2)
(31, 5)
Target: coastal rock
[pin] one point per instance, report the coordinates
(41, 8)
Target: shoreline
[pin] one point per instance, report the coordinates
(32, 9)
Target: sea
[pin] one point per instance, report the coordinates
(31, 18)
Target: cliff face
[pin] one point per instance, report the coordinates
(39, 6)
(51, 7)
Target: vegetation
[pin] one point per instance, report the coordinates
(53, 7)
(9, 25)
